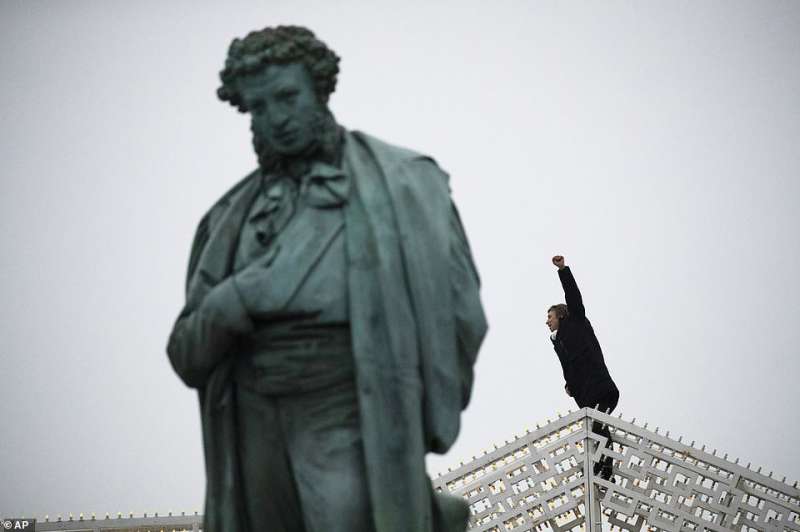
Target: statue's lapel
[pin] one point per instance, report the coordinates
(216, 259)
(302, 244)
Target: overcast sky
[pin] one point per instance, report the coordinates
(654, 144)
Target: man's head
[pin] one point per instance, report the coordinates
(283, 77)
(555, 314)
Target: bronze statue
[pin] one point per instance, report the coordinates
(332, 314)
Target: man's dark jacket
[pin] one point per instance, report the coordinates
(579, 351)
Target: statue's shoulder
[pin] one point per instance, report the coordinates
(386, 152)
(228, 198)
(392, 157)
(209, 220)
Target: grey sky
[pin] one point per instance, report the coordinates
(655, 144)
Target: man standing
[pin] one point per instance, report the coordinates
(332, 316)
(587, 378)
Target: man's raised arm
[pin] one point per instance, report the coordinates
(571, 292)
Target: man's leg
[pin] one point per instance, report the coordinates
(607, 404)
(268, 486)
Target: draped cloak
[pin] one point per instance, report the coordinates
(416, 321)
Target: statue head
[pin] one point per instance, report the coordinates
(283, 77)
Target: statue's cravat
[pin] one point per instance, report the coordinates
(324, 186)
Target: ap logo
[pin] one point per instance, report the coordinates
(26, 525)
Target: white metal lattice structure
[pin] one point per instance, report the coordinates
(544, 480)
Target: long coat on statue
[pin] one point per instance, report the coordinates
(416, 322)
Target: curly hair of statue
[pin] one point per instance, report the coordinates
(280, 45)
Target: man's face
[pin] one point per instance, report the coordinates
(282, 105)
(552, 320)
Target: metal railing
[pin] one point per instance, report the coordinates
(120, 523)
(544, 479)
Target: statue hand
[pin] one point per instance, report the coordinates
(253, 281)
(558, 260)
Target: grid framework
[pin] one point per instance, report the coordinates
(544, 479)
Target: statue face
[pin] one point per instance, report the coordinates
(283, 107)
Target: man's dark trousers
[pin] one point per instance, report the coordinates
(606, 404)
